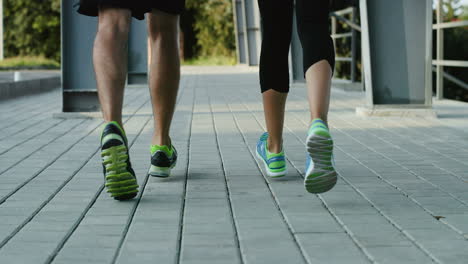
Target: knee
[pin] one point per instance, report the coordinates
(114, 24)
(163, 25)
(317, 44)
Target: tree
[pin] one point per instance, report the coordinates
(214, 27)
(32, 28)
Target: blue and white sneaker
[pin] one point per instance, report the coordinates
(275, 163)
(320, 175)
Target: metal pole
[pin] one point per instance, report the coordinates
(333, 29)
(246, 32)
(236, 30)
(353, 47)
(366, 53)
(333, 33)
(428, 59)
(1, 30)
(440, 52)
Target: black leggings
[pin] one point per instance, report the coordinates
(313, 28)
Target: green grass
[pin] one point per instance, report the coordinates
(212, 60)
(27, 63)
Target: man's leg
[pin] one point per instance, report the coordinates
(110, 60)
(164, 83)
(164, 71)
(110, 65)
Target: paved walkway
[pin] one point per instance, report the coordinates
(402, 196)
(8, 76)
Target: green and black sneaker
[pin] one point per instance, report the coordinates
(163, 159)
(119, 176)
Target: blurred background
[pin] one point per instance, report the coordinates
(31, 38)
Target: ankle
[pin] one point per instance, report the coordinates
(161, 140)
(118, 121)
(323, 118)
(274, 147)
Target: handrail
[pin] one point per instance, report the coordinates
(439, 62)
(339, 16)
(450, 63)
(452, 78)
(345, 20)
(461, 23)
(345, 11)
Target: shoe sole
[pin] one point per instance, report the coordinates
(322, 177)
(121, 186)
(160, 172)
(267, 170)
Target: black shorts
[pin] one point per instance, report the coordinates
(138, 7)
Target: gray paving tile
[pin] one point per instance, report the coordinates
(401, 172)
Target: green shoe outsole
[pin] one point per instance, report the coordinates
(119, 182)
(321, 176)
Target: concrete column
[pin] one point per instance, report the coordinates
(295, 64)
(78, 80)
(248, 31)
(241, 39)
(397, 51)
(254, 38)
(242, 44)
(138, 53)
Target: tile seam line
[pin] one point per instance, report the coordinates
(432, 214)
(35, 212)
(64, 240)
(228, 192)
(389, 219)
(4, 198)
(67, 236)
(180, 232)
(25, 128)
(29, 106)
(45, 145)
(428, 148)
(402, 192)
(140, 195)
(267, 184)
(54, 124)
(21, 185)
(46, 114)
(361, 248)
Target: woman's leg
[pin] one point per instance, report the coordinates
(277, 16)
(319, 55)
(319, 59)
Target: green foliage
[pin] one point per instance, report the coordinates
(214, 27)
(451, 8)
(16, 63)
(32, 28)
(211, 60)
